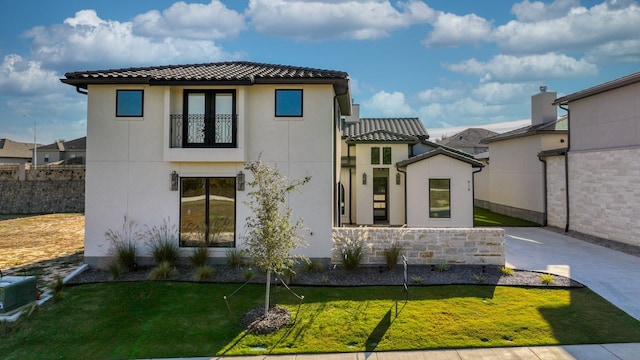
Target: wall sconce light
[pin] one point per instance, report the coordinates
(398, 179)
(364, 178)
(174, 181)
(240, 181)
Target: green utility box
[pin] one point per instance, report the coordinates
(16, 291)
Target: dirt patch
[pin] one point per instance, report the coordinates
(49, 246)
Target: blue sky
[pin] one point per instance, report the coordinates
(453, 64)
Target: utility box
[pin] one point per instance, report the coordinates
(16, 291)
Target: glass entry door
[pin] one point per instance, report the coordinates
(380, 189)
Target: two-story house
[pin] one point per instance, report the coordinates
(171, 142)
(68, 152)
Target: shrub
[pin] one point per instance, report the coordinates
(123, 244)
(248, 274)
(234, 258)
(350, 247)
(162, 241)
(199, 256)
(115, 270)
(324, 279)
(56, 287)
(314, 266)
(203, 273)
(164, 270)
(417, 279)
(391, 255)
(479, 278)
(506, 271)
(443, 266)
(547, 279)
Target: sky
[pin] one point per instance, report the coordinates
(454, 64)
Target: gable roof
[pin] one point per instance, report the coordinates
(611, 85)
(14, 149)
(471, 137)
(76, 144)
(221, 73)
(382, 136)
(403, 126)
(440, 151)
(559, 126)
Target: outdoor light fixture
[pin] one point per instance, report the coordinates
(397, 178)
(240, 180)
(174, 181)
(364, 178)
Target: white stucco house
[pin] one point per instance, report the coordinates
(171, 142)
(599, 164)
(393, 175)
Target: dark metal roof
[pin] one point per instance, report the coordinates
(76, 144)
(440, 151)
(468, 138)
(611, 85)
(559, 126)
(382, 136)
(404, 126)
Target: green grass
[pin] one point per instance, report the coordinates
(169, 319)
(484, 217)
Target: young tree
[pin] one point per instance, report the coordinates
(271, 235)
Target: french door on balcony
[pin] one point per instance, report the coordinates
(209, 118)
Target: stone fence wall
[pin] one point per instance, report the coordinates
(427, 246)
(42, 190)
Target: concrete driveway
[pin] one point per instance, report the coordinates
(611, 274)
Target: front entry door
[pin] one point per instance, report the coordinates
(380, 187)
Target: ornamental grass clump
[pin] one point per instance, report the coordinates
(199, 256)
(123, 244)
(163, 271)
(350, 246)
(203, 273)
(162, 240)
(393, 248)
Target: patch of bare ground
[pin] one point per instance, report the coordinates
(49, 246)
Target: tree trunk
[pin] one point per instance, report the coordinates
(266, 296)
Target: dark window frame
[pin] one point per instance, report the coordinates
(375, 159)
(277, 109)
(436, 214)
(121, 102)
(207, 212)
(386, 158)
(210, 134)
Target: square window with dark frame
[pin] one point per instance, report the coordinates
(207, 212)
(440, 198)
(288, 102)
(129, 103)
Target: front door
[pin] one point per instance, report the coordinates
(380, 187)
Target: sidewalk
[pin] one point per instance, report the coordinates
(568, 352)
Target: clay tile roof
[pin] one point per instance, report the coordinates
(403, 126)
(383, 136)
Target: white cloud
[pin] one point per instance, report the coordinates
(579, 29)
(452, 30)
(498, 93)
(22, 77)
(317, 20)
(500, 127)
(508, 68)
(438, 94)
(86, 38)
(191, 21)
(616, 52)
(384, 104)
(527, 11)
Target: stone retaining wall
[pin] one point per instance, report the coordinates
(423, 246)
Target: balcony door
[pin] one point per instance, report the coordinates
(210, 118)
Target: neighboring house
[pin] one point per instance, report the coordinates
(392, 175)
(14, 152)
(68, 152)
(602, 163)
(513, 182)
(469, 140)
(171, 142)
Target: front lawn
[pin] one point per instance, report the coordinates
(173, 319)
(484, 217)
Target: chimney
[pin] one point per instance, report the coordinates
(541, 109)
(355, 114)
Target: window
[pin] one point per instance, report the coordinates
(375, 155)
(386, 155)
(289, 103)
(129, 103)
(439, 198)
(207, 212)
(210, 119)
(46, 158)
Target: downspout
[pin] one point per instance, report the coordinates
(473, 193)
(405, 193)
(566, 167)
(544, 188)
(80, 91)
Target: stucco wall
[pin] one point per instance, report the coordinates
(468, 246)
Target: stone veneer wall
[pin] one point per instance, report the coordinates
(43, 190)
(422, 246)
(604, 189)
(556, 192)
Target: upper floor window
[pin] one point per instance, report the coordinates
(129, 103)
(289, 102)
(209, 118)
(375, 155)
(386, 155)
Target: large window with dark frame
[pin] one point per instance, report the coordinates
(209, 118)
(288, 103)
(207, 212)
(440, 198)
(129, 103)
(375, 156)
